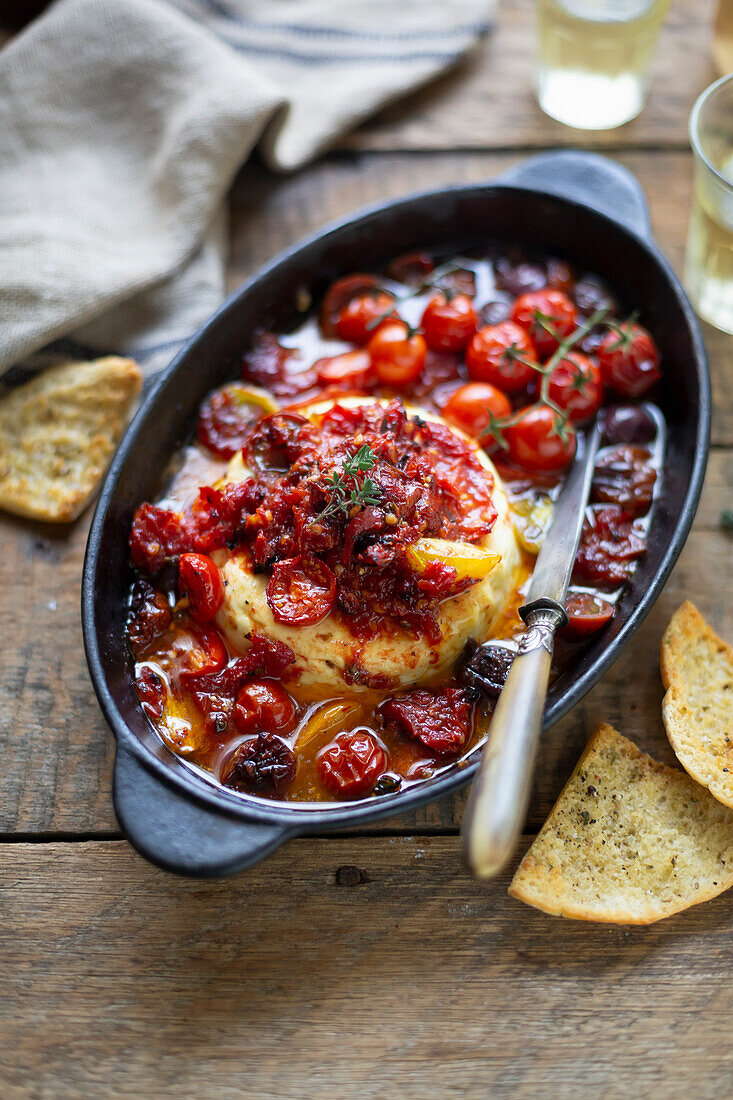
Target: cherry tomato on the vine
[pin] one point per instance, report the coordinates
(264, 705)
(301, 591)
(546, 315)
(501, 354)
(449, 322)
(537, 440)
(576, 386)
(351, 764)
(359, 317)
(200, 580)
(629, 360)
(472, 407)
(397, 354)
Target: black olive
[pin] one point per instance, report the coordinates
(487, 667)
(387, 784)
(629, 424)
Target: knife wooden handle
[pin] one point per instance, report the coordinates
(498, 803)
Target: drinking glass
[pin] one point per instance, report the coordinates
(593, 59)
(709, 256)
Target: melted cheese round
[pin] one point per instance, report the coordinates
(327, 649)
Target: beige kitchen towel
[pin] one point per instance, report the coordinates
(123, 123)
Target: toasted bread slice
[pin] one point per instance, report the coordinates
(58, 433)
(697, 671)
(628, 841)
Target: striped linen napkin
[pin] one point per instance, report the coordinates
(123, 123)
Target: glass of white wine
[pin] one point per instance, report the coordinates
(593, 59)
(709, 257)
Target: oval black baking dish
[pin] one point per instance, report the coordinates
(578, 205)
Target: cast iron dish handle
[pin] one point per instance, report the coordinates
(588, 178)
(178, 835)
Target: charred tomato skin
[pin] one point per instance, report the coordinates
(500, 354)
(351, 764)
(200, 580)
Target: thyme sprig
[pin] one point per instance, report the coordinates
(345, 488)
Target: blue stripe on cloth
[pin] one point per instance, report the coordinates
(464, 30)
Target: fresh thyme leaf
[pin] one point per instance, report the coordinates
(346, 490)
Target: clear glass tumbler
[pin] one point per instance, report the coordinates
(593, 59)
(709, 257)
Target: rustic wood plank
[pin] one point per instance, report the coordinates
(269, 213)
(487, 102)
(121, 981)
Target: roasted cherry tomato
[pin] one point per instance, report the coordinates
(449, 322)
(472, 407)
(538, 441)
(500, 354)
(609, 545)
(629, 360)
(548, 316)
(398, 356)
(351, 764)
(228, 414)
(576, 386)
(587, 613)
(625, 475)
(264, 705)
(200, 653)
(352, 370)
(339, 295)
(360, 317)
(200, 580)
(264, 765)
(301, 591)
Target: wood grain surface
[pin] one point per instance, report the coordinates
(365, 965)
(487, 102)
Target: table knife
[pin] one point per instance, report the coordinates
(497, 805)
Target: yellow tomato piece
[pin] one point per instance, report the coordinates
(467, 560)
(531, 519)
(325, 719)
(251, 395)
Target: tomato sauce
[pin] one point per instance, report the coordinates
(336, 512)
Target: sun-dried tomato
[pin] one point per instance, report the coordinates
(264, 765)
(301, 591)
(625, 476)
(442, 721)
(150, 616)
(609, 546)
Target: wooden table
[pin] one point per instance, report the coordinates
(362, 965)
